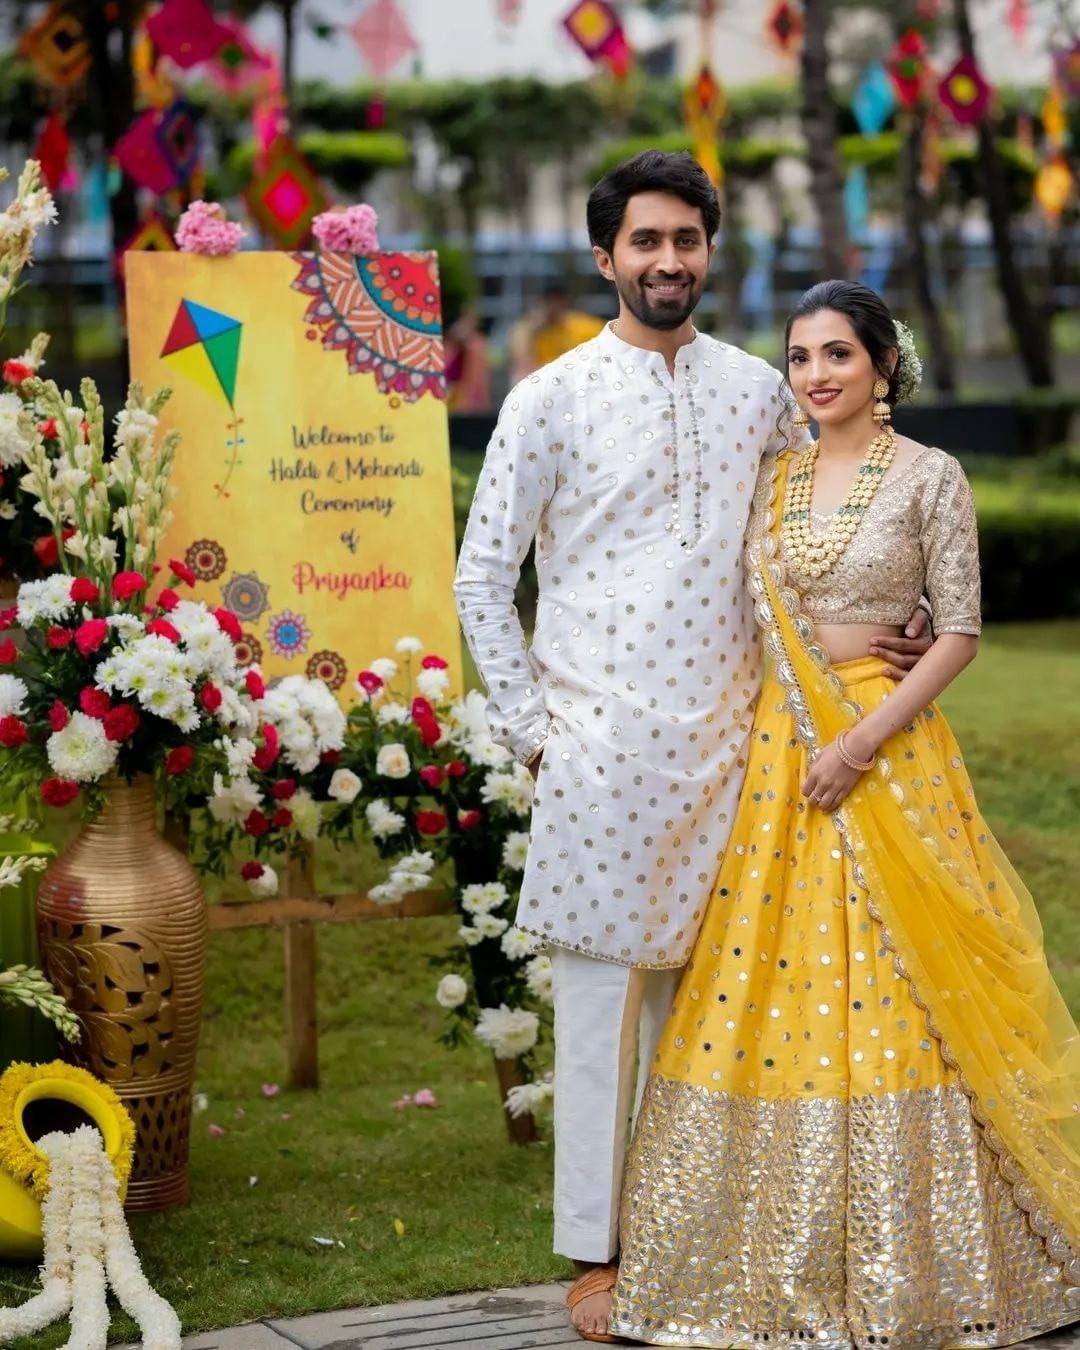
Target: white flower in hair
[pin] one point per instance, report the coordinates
(909, 370)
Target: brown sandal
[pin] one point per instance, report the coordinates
(599, 1280)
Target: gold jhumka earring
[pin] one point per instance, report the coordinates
(801, 419)
(882, 411)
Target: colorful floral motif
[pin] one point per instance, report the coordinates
(249, 650)
(288, 634)
(329, 667)
(207, 559)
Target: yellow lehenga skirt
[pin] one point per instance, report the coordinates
(861, 1124)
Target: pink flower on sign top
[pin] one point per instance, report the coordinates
(353, 230)
(204, 229)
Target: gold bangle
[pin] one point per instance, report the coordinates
(846, 757)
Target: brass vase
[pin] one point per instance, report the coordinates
(122, 933)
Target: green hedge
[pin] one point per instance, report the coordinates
(1029, 542)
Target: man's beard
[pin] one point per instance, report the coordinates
(661, 314)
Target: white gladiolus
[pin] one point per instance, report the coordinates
(452, 991)
(13, 440)
(344, 786)
(508, 1033)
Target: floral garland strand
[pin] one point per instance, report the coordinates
(87, 1245)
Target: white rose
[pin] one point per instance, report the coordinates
(407, 646)
(452, 992)
(392, 761)
(344, 786)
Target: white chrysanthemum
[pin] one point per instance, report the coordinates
(407, 646)
(507, 1032)
(469, 716)
(237, 753)
(498, 789)
(308, 719)
(8, 510)
(483, 898)
(48, 599)
(521, 799)
(451, 992)
(128, 627)
(382, 822)
(81, 752)
(266, 884)
(13, 692)
(490, 925)
(516, 850)
(384, 668)
(483, 750)
(472, 937)
(517, 945)
(526, 1098)
(344, 786)
(386, 893)
(232, 804)
(393, 761)
(538, 978)
(432, 684)
(393, 714)
(13, 443)
(306, 814)
(417, 861)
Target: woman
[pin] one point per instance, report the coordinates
(863, 1123)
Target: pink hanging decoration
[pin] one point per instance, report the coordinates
(383, 37)
(1019, 14)
(239, 65)
(270, 120)
(139, 154)
(53, 151)
(186, 32)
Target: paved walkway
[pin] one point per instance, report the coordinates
(508, 1319)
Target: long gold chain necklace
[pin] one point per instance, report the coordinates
(812, 555)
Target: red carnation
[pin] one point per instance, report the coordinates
(256, 824)
(457, 768)
(163, 628)
(47, 550)
(182, 571)
(89, 636)
(432, 775)
(265, 757)
(468, 820)
(12, 732)
(283, 789)
(255, 684)
(94, 702)
(49, 430)
(58, 637)
(178, 761)
(252, 871)
(330, 757)
(421, 710)
(121, 722)
(8, 652)
(433, 663)
(58, 792)
(228, 623)
(168, 600)
(430, 822)
(282, 818)
(127, 584)
(210, 697)
(17, 371)
(84, 591)
(59, 716)
(369, 682)
(8, 617)
(430, 731)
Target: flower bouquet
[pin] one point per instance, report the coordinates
(431, 787)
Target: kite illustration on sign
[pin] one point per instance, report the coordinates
(204, 345)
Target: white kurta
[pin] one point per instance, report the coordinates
(644, 668)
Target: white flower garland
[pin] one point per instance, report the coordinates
(86, 1242)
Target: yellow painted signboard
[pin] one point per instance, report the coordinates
(313, 477)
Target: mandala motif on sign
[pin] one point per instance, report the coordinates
(246, 595)
(329, 667)
(383, 311)
(288, 634)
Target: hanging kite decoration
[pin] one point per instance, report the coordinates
(965, 92)
(1019, 17)
(874, 100)
(1055, 184)
(152, 235)
(187, 32)
(204, 346)
(383, 37)
(705, 108)
(907, 67)
(784, 27)
(1067, 70)
(239, 66)
(597, 30)
(160, 150)
(285, 195)
(57, 47)
(53, 151)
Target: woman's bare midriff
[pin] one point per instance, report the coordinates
(849, 641)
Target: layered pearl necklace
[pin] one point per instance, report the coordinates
(812, 555)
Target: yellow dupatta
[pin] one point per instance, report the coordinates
(970, 947)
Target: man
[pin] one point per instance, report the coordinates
(632, 462)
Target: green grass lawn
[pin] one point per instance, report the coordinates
(342, 1164)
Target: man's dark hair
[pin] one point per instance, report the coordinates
(652, 171)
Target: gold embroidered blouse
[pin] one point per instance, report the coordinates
(918, 537)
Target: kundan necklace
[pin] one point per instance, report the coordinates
(812, 555)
